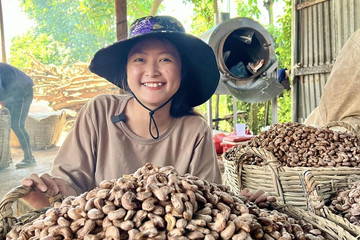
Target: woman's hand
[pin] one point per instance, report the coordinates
(45, 186)
(259, 197)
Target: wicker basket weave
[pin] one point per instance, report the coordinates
(330, 229)
(282, 182)
(343, 127)
(5, 126)
(318, 195)
(44, 130)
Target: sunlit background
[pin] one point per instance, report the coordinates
(16, 22)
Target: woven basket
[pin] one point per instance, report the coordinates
(318, 195)
(343, 127)
(7, 218)
(282, 182)
(44, 130)
(5, 126)
(330, 229)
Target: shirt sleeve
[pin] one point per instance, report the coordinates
(205, 163)
(76, 159)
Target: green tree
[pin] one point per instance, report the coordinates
(203, 16)
(48, 50)
(79, 25)
(248, 8)
(283, 51)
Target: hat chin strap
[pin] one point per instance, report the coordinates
(152, 119)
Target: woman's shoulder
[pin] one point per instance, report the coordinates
(109, 97)
(106, 99)
(194, 122)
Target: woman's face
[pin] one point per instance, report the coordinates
(153, 71)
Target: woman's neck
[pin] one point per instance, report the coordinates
(138, 119)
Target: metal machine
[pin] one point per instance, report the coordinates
(246, 59)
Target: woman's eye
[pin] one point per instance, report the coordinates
(138, 60)
(165, 60)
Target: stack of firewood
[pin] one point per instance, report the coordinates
(67, 86)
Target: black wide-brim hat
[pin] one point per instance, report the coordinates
(199, 57)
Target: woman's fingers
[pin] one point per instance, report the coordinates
(51, 185)
(27, 182)
(43, 183)
(36, 181)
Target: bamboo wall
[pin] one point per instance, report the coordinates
(320, 29)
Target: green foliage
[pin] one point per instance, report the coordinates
(80, 25)
(203, 16)
(74, 23)
(282, 38)
(284, 107)
(42, 47)
(248, 8)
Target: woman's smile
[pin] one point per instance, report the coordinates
(153, 84)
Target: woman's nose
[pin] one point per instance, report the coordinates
(152, 69)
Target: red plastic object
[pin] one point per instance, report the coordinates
(218, 138)
(226, 146)
(232, 140)
(235, 138)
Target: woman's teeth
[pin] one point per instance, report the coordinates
(153, 84)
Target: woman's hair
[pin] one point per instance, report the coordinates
(179, 106)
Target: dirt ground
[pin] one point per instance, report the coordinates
(11, 176)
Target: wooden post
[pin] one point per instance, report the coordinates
(121, 20)
(274, 110)
(3, 51)
(121, 23)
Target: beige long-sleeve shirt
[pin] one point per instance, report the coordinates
(97, 149)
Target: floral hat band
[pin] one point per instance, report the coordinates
(155, 24)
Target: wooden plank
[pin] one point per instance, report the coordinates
(2, 33)
(294, 61)
(301, 71)
(308, 4)
(121, 19)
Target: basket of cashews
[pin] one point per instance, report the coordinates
(274, 159)
(158, 203)
(337, 200)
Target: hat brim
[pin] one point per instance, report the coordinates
(199, 56)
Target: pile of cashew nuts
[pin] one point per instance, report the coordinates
(346, 203)
(299, 145)
(158, 203)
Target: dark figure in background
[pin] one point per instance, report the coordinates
(16, 92)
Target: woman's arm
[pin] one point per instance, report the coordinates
(204, 163)
(76, 159)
